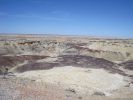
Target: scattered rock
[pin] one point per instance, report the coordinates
(99, 93)
(80, 97)
(71, 90)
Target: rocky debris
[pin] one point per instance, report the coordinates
(71, 90)
(96, 47)
(99, 93)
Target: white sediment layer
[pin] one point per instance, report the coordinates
(85, 80)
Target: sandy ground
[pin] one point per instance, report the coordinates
(23, 53)
(82, 80)
(14, 88)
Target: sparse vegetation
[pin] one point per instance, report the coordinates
(6, 44)
(128, 54)
(83, 55)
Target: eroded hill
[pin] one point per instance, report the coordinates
(110, 49)
(77, 66)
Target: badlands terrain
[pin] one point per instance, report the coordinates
(46, 67)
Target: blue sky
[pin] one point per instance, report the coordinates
(68, 17)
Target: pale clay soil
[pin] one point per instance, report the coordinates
(82, 80)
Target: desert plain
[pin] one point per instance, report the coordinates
(54, 67)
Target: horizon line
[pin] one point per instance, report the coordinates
(68, 35)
